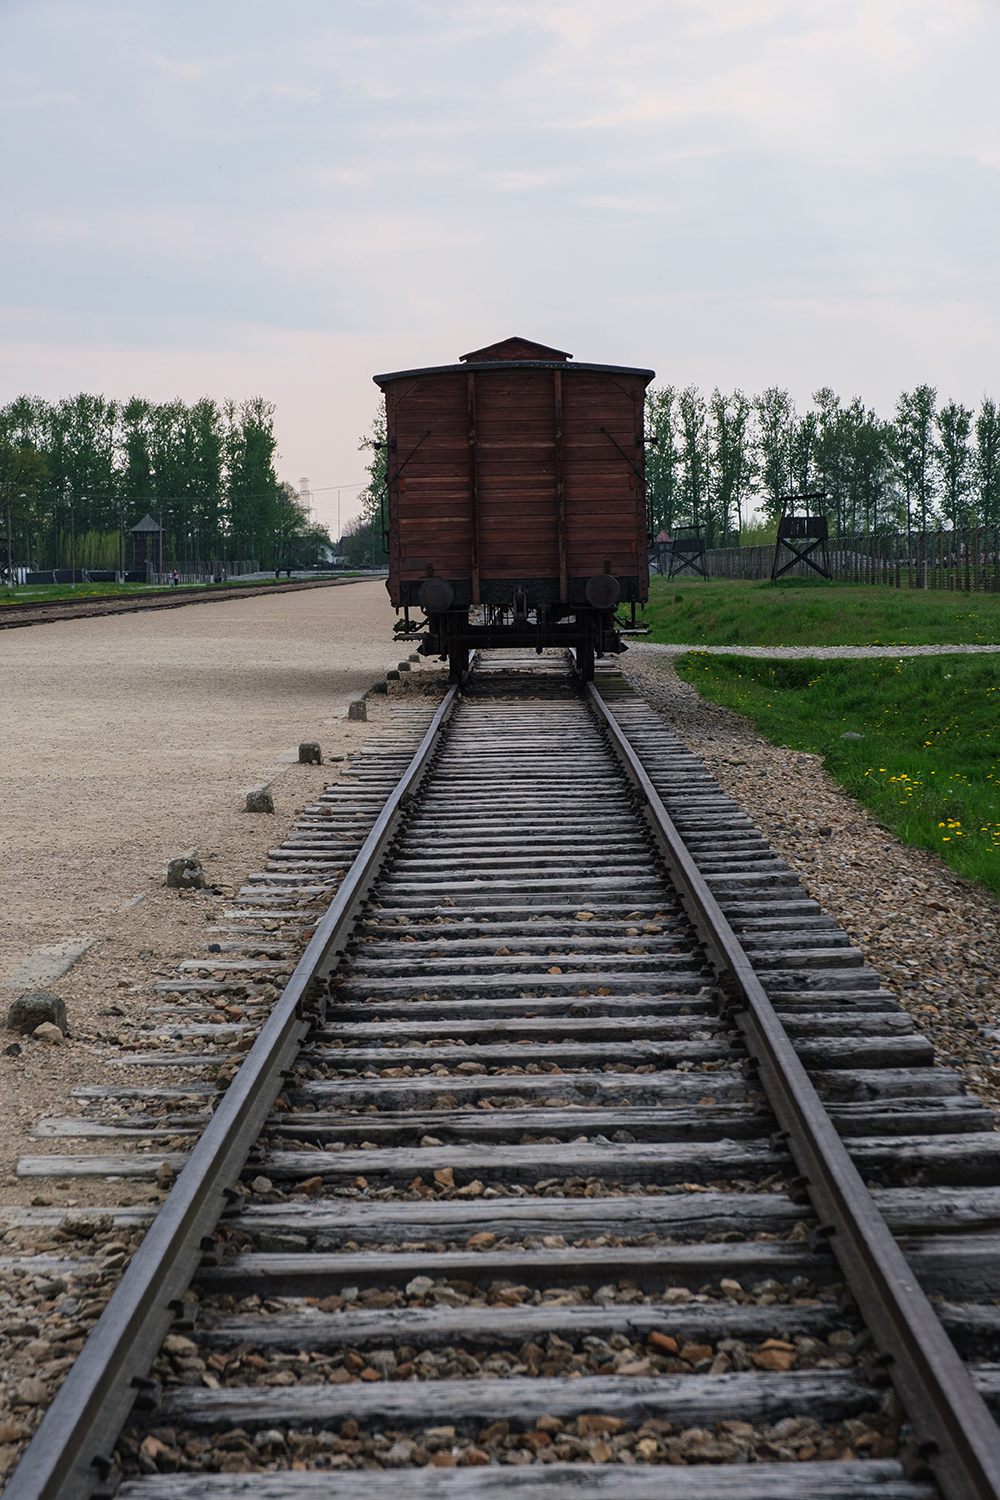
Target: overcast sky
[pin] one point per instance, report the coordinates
(238, 198)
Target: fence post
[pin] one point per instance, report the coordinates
(978, 567)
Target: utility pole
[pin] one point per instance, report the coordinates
(121, 540)
(72, 542)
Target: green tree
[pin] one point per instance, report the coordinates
(987, 463)
(803, 437)
(166, 450)
(832, 455)
(662, 458)
(775, 428)
(693, 489)
(915, 453)
(298, 540)
(203, 483)
(364, 539)
(206, 474)
(731, 460)
(136, 462)
(251, 483)
(872, 489)
(22, 473)
(956, 462)
(846, 452)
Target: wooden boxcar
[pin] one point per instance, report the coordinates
(516, 499)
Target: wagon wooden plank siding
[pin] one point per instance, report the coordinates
(516, 500)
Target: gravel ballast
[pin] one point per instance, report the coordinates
(933, 937)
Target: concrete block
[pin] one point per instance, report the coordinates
(310, 753)
(259, 800)
(185, 872)
(356, 708)
(37, 1008)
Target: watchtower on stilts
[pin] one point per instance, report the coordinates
(801, 534)
(686, 549)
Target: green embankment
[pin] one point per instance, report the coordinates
(927, 762)
(804, 612)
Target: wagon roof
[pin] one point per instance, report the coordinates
(512, 364)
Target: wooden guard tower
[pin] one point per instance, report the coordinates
(147, 542)
(687, 550)
(801, 535)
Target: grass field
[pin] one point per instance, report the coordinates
(803, 612)
(45, 593)
(929, 758)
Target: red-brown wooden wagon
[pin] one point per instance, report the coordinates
(516, 500)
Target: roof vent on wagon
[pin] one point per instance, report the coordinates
(513, 349)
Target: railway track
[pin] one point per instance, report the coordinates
(41, 612)
(561, 1132)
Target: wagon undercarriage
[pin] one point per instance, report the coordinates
(590, 633)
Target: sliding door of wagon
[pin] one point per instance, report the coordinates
(515, 477)
(429, 420)
(605, 511)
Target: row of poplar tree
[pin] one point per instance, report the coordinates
(720, 461)
(82, 471)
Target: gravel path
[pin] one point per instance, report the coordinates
(933, 936)
(791, 653)
(129, 739)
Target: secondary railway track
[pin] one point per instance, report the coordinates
(580, 1155)
(43, 612)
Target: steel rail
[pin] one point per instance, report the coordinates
(164, 597)
(69, 1457)
(957, 1439)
